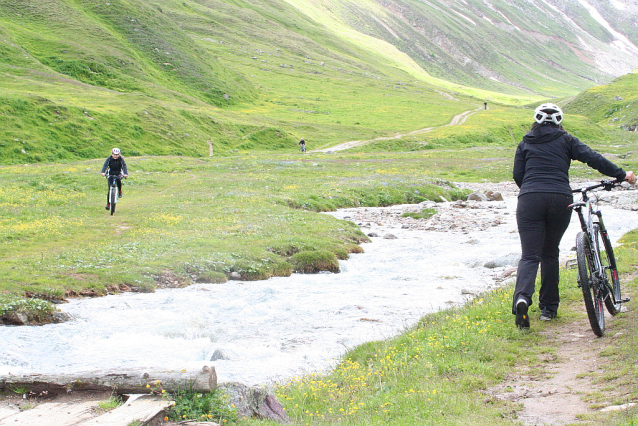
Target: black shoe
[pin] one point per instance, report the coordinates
(547, 315)
(119, 194)
(522, 319)
(108, 207)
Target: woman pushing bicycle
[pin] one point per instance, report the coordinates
(541, 171)
(114, 166)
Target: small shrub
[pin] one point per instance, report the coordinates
(251, 271)
(341, 253)
(459, 194)
(284, 249)
(423, 214)
(114, 401)
(213, 406)
(282, 269)
(46, 293)
(311, 262)
(20, 390)
(211, 277)
(353, 248)
(36, 310)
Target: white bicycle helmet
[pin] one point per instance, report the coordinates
(115, 151)
(548, 113)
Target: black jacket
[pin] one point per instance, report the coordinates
(543, 158)
(115, 166)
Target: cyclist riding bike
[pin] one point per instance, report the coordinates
(114, 166)
(302, 145)
(541, 171)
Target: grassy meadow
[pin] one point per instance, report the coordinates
(207, 100)
(188, 218)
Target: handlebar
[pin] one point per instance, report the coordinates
(607, 185)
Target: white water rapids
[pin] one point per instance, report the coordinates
(275, 329)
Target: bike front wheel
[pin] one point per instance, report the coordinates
(113, 199)
(589, 284)
(608, 261)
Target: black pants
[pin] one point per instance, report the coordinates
(542, 220)
(108, 183)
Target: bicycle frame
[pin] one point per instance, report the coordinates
(591, 221)
(113, 194)
(112, 179)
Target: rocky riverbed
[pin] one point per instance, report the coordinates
(489, 205)
(486, 207)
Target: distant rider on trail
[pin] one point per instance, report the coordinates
(302, 145)
(115, 166)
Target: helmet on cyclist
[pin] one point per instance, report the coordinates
(115, 151)
(548, 113)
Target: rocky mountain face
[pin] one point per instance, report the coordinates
(520, 47)
(505, 44)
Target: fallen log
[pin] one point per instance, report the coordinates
(250, 402)
(150, 381)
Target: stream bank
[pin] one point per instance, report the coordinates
(269, 331)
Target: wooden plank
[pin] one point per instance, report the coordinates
(53, 414)
(139, 407)
(6, 411)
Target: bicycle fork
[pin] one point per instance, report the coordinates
(113, 188)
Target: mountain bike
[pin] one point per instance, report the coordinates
(113, 192)
(597, 271)
(302, 147)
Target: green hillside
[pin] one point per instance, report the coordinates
(122, 46)
(614, 106)
(209, 76)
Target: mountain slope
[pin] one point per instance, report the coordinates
(614, 105)
(531, 45)
(124, 46)
(187, 76)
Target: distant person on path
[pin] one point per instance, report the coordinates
(114, 166)
(485, 105)
(541, 171)
(302, 145)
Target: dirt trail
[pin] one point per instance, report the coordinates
(553, 392)
(457, 119)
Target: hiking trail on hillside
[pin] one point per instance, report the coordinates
(554, 391)
(457, 119)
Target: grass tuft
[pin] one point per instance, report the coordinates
(312, 262)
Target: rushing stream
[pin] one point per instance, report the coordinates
(275, 329)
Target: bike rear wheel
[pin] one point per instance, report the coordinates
(589, 284)
(608, 260)
(113, 199)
